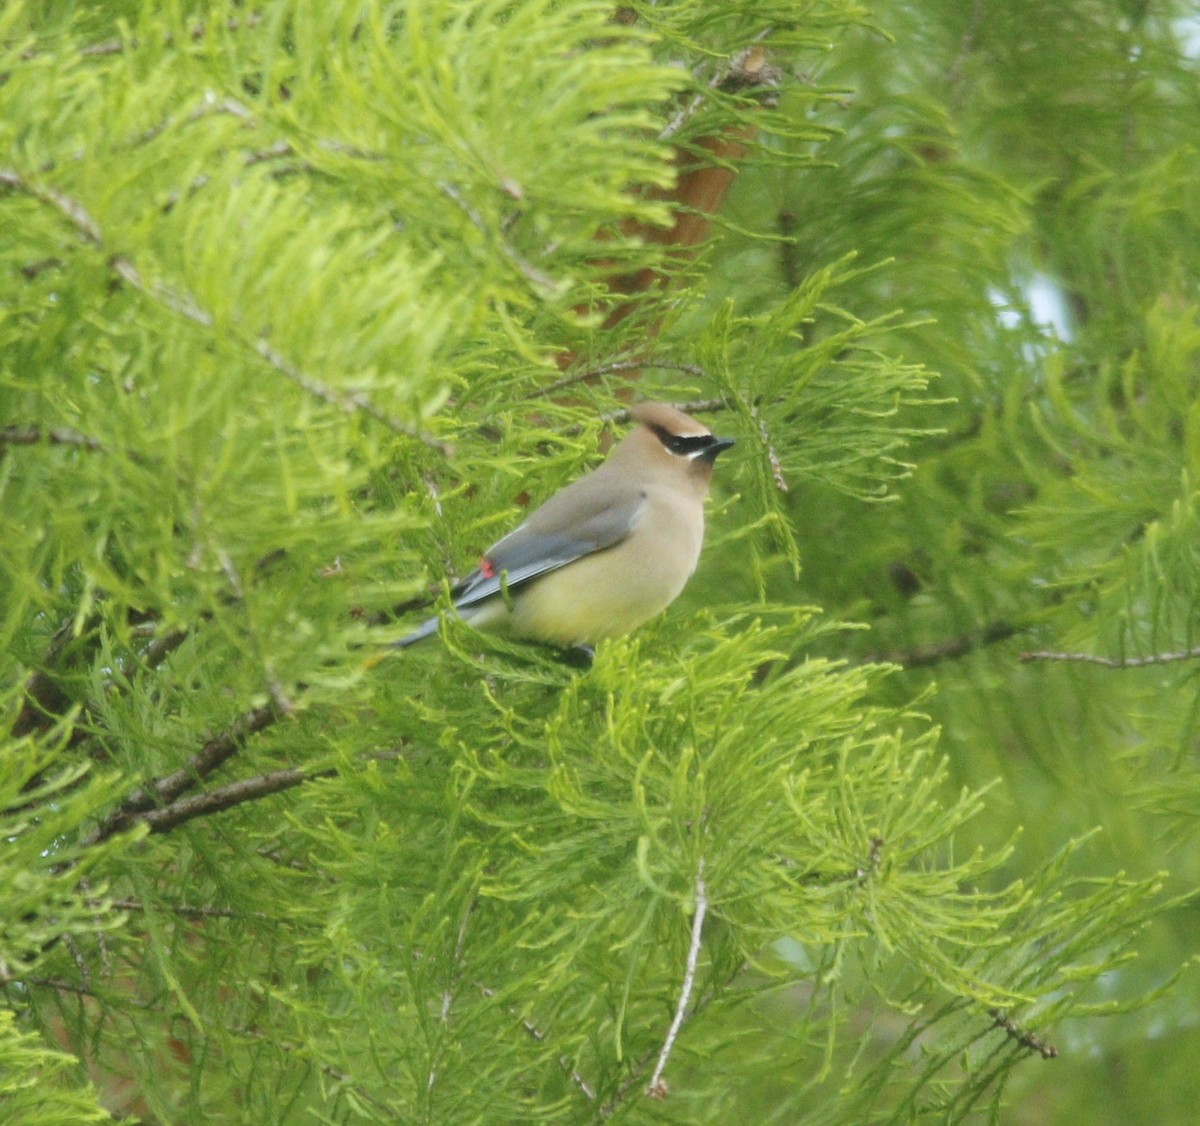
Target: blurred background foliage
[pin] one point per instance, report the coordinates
(1023, 177)
(301, 303)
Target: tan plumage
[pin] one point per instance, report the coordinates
(608, 551)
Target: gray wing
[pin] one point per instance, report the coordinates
(579, 521)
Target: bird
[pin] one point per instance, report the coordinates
(607, 552)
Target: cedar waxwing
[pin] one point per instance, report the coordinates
(607, 552)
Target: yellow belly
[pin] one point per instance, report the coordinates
(603, 595)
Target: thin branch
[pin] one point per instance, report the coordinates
(85, 976)
(327, 1069)
(772, 457)
(32, 269)
(539, 278)
(45, 700)
(28, 980)
(348, 401)
(119, 46)
(187, 911)
(226, 797)
(966, 46)
(789, 266)
(184, 809)
(635, 1072)
(162, 647)
(638, 1068)
(537, 1034)
(213, 755)
(277, 151)
(695, 406)
(210, 106)
(657, 1088)
(1022, 1036)
(945, 650)
(459, 943)
(184, 305)
(164, 791)
(1114, 662)
(54, 436)
(608, 369)
(747, 68)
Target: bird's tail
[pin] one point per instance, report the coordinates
(419, 634)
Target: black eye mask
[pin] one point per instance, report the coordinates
(684, 445)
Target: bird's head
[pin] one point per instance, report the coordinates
(667, 441)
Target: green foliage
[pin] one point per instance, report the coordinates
(284, 296)
(31, 1082)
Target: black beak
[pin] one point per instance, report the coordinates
(714, 447)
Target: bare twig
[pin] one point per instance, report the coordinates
(945, 650)
(459, 943)
(54, 436)
(348, 401)
(537, 1034)
(772, 457)
(865, 871)
(69, 987)
(966, 45)
(226, 797)
(85, 975)
(162, 647)
(527, 269)
(1022, 1036)
(608, 369)
(277, 151)
(165, 790)
(187, 911)
(32, 269)
(657, 1088)
(210, 106)
(45, 700)
(183, 809)
(695, 406)
(747, 68)
(119, 46)
(789, 266)
(1115, 662)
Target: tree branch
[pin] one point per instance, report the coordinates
(538, 1035)
(657, 1088)
(1022, 1036)
(226, 797)
(184, 910)
(696, 406)
(608, 369)
(164, 791)
(746, 70)
(538, 278)
(45, 701)
(119, 46)
(184, 305)
(54, 436)
(1114, 662)
(948, 650)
